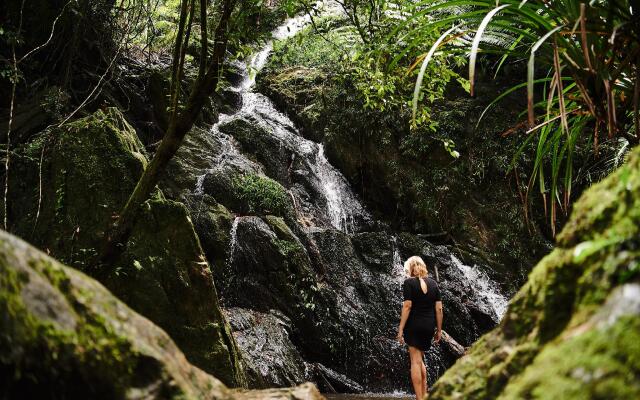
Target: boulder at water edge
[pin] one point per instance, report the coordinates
(573, 330)
(64, 335)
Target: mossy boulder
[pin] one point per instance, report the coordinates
(72, 181)
(248, 193)
(571, 331)
(68, 182)
(65, 336)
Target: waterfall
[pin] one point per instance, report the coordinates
(334, 201)
(322, 196)
(483, 286)
(233, 240)
(397, 268)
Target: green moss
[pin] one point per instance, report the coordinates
(603, 363)
(105, 357)
(262, 194)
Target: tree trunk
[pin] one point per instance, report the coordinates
(179, 125)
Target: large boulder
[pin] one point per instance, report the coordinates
(572, 331)
(269, 268)
(65, 336)
(270, 356)
(65, 186)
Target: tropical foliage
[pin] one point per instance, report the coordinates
(370, 39)
(582, 71)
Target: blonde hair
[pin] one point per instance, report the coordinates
(415, 266)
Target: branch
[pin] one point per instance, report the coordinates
(204, 43)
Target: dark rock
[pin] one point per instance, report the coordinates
(270, 357)
(235, 73)
(330, 381)
(484, 321)
(266, 148)
(231, 101)
(266, 271)
(376, 250)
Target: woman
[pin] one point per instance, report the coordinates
(420, 319)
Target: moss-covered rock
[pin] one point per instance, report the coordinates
(73, 180)
(248, 193)
(572, 331)
(65, 336)
(68, 182)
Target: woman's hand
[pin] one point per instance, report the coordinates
(400, 337)
(437, 336)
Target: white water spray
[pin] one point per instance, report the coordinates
(483, 286)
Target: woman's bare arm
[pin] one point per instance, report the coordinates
(404, 315)
(438, 321)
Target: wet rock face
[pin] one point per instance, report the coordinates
(266, 271)
(366, 279)
(347, 313)
(572, 330)
(256, 141)
(271, 358)
(90, 166)
(65, 336)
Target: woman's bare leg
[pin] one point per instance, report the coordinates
(416, 372)
(424, 373)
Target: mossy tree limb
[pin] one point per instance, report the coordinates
(180, 123)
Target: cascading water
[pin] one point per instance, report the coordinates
(484, 287)
(233, 239)
(334, 200)
(397, 268)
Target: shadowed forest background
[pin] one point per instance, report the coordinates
(207, 199)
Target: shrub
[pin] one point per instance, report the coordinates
(261, 194)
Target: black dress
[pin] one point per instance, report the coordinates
(421, 324)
